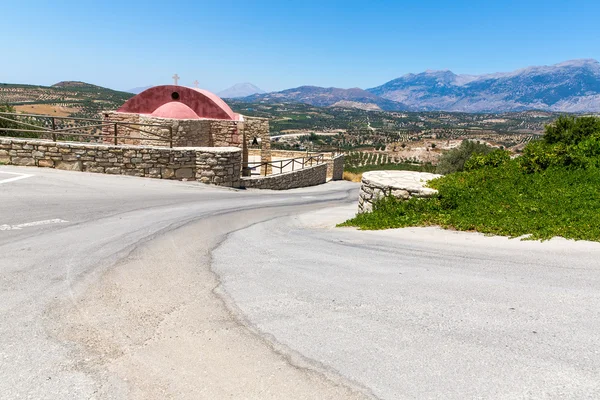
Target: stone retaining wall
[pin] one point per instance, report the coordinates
(335, 164)
(213, 165)
(400, 184)
(335, 168)
(309, 176)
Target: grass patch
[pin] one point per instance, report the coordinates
(352, 177)
(503, 200)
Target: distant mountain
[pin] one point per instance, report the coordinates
(138, 90)
(329, 97)
(240, 90)
(572, 86)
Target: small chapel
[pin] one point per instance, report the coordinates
(180, 116)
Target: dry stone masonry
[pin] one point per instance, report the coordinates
(309, 176)
(400, 184)
(214, 165)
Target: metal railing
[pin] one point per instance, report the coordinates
(288, 165)
(61, 128)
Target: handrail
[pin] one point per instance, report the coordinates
(50, 127)
(312, 160)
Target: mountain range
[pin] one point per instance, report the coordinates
(571, 86)
(325, 97)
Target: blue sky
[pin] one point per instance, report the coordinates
(282, 44)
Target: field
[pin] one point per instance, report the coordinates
(72, 99)
(48, 109)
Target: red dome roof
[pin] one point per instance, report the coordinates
(202, 103)
(175, 110)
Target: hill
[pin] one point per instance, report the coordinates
(325, 97)
(74, 99)
(74, 84)
(572, 86)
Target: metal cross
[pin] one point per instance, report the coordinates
(196, 83)
(176, 79)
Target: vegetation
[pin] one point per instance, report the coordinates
(552, 190)
(355, 128)
(454, 160)
(32, 124)
(84, 100)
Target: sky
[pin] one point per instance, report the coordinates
(283, 44)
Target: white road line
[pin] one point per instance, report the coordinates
(16, 178)
(6, 227)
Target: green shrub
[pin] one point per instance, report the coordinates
(454, 160)
(569, 142)
(494, 159)
(571, 130)
(538, 156)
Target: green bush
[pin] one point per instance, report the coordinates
(494, 159)
(571, 130)
(568, 142)
(454, 160)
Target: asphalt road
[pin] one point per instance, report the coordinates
(422, 313)
(108, 290)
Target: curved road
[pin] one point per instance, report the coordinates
(107, 291)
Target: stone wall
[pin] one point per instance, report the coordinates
(335, 168)
(255, 127)
(309, 176)
(335, 163)
(213, 165)
(402, 185)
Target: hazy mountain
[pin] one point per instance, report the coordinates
(138, 90)
(572, 86)
(325, 97)
(240, 90)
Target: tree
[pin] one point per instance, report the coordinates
(570, 130)
(454, 160)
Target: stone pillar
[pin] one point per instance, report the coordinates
(259, 128)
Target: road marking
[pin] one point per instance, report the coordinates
(16, 178)
(6, 227)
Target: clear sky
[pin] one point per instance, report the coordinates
(283, 44)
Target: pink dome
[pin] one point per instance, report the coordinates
(201, 103)
(175, 110)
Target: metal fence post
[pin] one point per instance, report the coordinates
(116, 138)
(170, 136)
